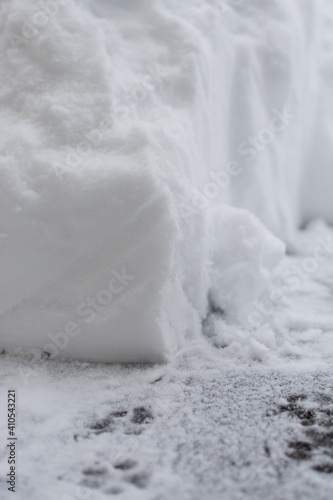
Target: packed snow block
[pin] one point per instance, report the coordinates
(87, 272)
(100, 260)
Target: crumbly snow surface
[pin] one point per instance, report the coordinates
(158, 158)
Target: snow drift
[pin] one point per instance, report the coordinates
(130, 131)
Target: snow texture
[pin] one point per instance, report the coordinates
(129, 129)
(158, 158)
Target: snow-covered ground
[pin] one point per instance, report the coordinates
(213, 423)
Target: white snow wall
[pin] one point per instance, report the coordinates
(127, 126)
